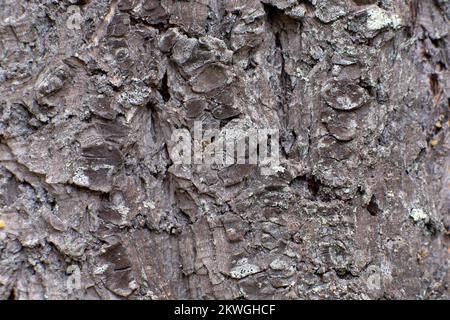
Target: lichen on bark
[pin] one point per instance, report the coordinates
(93, 207)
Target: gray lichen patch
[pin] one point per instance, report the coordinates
(379, 19)
(330, 10)
(80, 178)
(244, 269)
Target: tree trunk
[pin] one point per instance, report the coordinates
(94, 206)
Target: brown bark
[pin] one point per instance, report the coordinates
(91, 91)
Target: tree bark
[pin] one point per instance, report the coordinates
(93, 205)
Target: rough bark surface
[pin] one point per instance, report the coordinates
(359, 90)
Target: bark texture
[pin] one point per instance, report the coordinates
(359, 90)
